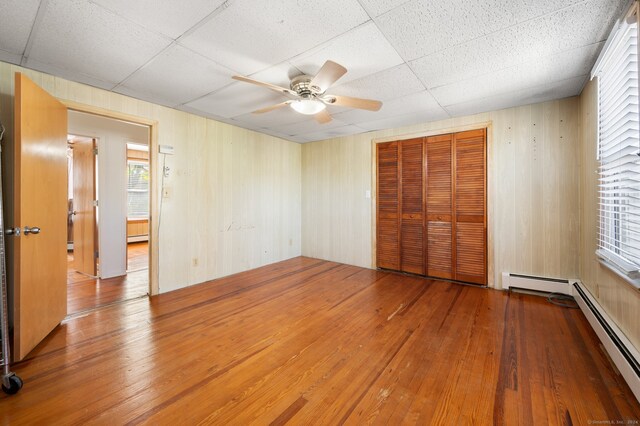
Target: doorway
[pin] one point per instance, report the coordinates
(108, 261)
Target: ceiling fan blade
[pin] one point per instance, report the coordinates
(267, 85)
(272, 107)
(322, 117)
(328, 74)
(347, 101)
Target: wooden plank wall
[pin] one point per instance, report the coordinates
(617, 297)
(533, 190)
(137, 227)
(235, 194)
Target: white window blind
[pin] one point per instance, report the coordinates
(618, 147)
(137, 189)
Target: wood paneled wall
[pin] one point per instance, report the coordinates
(617, 297)
(137, 227)
(137, 155)
(533, 190)
(234, 194)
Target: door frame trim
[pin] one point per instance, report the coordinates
(154, 252)
(426, 133)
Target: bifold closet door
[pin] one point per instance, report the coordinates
(412, 206)
(387, 226)
(439, 206)
(470, 207)
(431, 216)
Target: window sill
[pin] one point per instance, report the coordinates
(137, 219)
(610, 265)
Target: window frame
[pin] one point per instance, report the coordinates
(615, 262)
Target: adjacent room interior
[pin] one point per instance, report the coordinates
(108, 245)
(338, 212)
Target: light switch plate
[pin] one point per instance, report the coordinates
(166, 149)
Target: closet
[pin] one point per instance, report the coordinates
(431, 206)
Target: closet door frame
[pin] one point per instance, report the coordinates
(489, 189)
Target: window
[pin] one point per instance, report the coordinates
(618, 149)
(137, 189)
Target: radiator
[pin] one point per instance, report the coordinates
(622, 352)
(542, 284)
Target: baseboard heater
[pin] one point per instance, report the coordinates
(622, 352)
(542, 284)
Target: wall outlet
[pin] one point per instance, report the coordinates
(367, 193)
(166, 193)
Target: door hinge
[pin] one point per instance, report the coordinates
(95, 203)
(97, 254)
(95, 151)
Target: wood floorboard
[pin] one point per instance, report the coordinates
(85, 292)
(307, 341)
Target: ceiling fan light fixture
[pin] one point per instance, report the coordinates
(308, 106)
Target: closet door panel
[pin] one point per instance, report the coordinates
(411, 187)
(387, 242)
(470, 206)
(439, 205)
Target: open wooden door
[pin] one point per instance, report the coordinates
(40, 265)
(84, 210)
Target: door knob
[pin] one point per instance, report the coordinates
(34, 230)
(12, 231)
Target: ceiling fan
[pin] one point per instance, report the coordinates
(308, 95)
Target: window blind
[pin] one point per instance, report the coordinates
(137, 189)
(618, 147)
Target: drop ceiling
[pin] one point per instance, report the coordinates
(426, 60)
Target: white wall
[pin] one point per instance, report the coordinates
(112, 136)
(236, 194)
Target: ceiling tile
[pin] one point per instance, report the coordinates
(69, 74)
(236, 99)
(308, 126)
(335, 132)
(272, 31)
(276, 118)
(363, 51)
(547, 70)
(400, 121)
(388, 84)
(172, 19)
(556, 90)
(570, 28)
(12, 58)
(420, 28)
(176, 76)
(88, 40)
(16, 17)
(378, 7)
(422, 102)
(274, 133)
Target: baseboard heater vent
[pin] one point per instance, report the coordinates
(622, 352)
(542, 284)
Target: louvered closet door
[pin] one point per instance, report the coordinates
(439, 206)
(412, 222)
(387, 241)
(470, 208)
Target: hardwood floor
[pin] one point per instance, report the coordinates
(84, 292)
(137, 256)
(307, 341)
